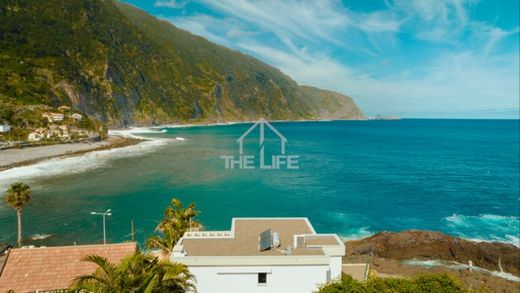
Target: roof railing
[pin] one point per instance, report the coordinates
(208, 234)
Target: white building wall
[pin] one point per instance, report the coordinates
(335, 267)
(241, 279)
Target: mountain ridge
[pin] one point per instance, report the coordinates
(122, 66)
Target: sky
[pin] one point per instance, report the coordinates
(408, 58)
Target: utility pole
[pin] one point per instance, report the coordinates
(133, 238)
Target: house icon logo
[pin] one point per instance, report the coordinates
(278, 161)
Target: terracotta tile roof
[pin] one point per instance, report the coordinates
(48, 268)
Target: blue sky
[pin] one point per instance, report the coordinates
(413, 58)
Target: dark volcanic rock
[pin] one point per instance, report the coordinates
(435, 245)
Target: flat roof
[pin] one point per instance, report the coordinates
(52, 268)
(243, 238)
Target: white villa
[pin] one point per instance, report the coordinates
(261, 255)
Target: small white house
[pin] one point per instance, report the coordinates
(76, 116)
(57, 116)
(261, 255)
(51, 117)
(34, 136)
(5, 128)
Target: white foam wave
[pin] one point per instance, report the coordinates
(459, 266)
(356, 234)
(77, 164)
(134, 132)
(40, 236)
(497, 228)
(200, 125)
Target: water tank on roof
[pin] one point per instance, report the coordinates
(276, 239)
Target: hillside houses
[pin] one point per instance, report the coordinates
(58, 117)
(45, 124)
(60, 132)
(51, 117)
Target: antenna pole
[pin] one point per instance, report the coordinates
(132, 231)
(262, 154)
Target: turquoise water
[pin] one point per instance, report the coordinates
(355, 178)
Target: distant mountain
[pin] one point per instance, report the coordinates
(123, 66)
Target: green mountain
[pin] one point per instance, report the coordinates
(123, 66)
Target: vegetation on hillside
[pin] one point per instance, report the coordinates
(426, 283)
(121, 66)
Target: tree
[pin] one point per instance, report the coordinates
(138, 272)
(165, 241)
(176, 221)
(17, 195)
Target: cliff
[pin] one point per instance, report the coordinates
(123, 66)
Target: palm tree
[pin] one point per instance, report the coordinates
(165, 241)
(176, 221)
(136, 273)
(178, 217)
(17, 195)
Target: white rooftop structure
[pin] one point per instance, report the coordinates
(289, 257)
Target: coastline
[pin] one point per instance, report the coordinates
(118, 138)
(491, 265)
(12, 158)
(204, 124)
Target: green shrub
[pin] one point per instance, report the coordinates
(419, 283)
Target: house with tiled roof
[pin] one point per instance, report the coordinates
(53, 268)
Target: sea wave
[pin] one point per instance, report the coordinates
(78, 164)
(40, 236)
(134, 132)
(166, 126)
(356, 234)
(485, 227)
(459, 266)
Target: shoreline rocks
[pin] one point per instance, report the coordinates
(431, 245)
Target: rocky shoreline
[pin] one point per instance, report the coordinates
(389, 252)
(435, 245)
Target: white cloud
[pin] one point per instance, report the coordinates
(170, 4)
(379, 21)
(309, 20)
(458, 72)
(453, 83)
(495, 35)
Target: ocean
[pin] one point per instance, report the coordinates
(354, 178)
